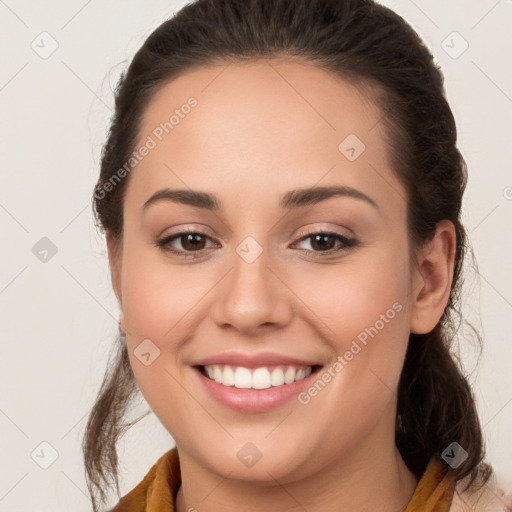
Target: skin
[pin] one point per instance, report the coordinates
(259, 130)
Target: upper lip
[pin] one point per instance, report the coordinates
(254, 360)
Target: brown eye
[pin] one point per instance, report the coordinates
(190, 241)
(324, 243)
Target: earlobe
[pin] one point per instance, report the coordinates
(434, 272)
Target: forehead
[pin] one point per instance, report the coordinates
(261, 128)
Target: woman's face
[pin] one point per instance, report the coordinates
(256, 281)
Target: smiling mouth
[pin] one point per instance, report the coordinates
(262, 377)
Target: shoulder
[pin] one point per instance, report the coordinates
(489, 498)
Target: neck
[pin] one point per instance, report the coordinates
(371, 478)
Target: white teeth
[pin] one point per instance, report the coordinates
(261, 378)
(228, 377)
(277, 377)
(217, 374)
(242, 378)
(257, 378)
(289, 376)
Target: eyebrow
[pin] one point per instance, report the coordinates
(292, 199)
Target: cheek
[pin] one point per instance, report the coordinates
(361, 307)
(158, 297)
(366, 311)
(159, 302)
(357, 293)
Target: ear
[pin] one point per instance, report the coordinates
(432, 279)
(115, 272)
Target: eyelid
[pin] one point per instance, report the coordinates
(325, 229)
(185, 231)
(190, 228)
(347, 242)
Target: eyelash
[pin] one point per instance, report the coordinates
(164, 244)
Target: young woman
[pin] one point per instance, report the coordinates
(280, 193)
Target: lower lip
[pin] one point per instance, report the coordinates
(254, 400)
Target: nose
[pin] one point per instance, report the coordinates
(252, 297)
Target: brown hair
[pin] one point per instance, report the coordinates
(368, 44)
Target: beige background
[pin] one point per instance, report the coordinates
(59, 317)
